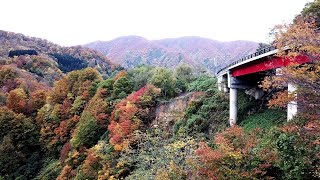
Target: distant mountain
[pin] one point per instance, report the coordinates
(130, 51)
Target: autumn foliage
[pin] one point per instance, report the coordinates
(293, 40)
(125, 118)
(120, 75)
(99, 122)
(236, 155)
(17, 100)
(297, 146)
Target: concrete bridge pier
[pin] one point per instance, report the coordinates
(234, 84)
(219, 83)
(233, 107)
(292, 108)
(222, 84)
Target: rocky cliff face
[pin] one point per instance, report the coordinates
(168, 112)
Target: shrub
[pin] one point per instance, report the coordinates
(265, 120)
(51, 170)
(298, 150)
(236, 156)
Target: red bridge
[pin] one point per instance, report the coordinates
(248, 71)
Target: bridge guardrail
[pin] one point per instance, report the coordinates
(257, 53)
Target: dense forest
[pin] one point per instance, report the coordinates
(68, 113)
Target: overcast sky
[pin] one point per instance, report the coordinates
(73, 22)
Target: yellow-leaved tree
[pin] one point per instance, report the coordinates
(301, 38)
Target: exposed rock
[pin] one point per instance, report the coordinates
(168, 112)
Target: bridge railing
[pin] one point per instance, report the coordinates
(257, 53)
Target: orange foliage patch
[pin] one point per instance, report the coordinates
(233, 157)
(124, 118)
(120, 74)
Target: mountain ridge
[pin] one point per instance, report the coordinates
(199, 52)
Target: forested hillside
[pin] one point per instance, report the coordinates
(68, 113)
(67, 59)
(88, 127)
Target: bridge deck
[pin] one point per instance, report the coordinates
(249, 58)
(260, 61)
(265, 64)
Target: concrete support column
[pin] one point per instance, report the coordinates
(279, 72)
(258, 93)
(220, 83)
(225, 87)
(292, 105)
(233, 109)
